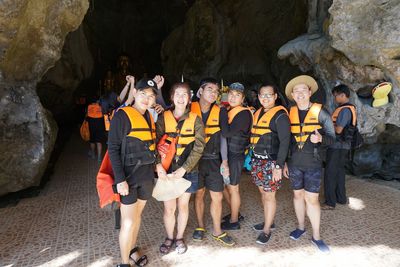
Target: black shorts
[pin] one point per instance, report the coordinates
(141, 184)
(96, 130)
(235, 170)
(210, 175)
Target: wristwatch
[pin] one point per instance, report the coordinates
(277, 166)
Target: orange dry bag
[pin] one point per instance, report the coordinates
(85, 134)
(105, 183)
(166, 148)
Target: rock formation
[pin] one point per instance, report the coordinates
(358, 45)
(235, 40)
(31, 39)
(57, 86)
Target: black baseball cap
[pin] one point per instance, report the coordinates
(146, 83)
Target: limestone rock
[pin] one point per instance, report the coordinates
(31, 39)
(33, 34)
(57, 86)
(367, 32)
(28, 136)
(358, 46)
(232, 39)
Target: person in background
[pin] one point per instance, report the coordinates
(344, 117)
(94, 116)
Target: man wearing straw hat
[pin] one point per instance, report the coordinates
(311, 128)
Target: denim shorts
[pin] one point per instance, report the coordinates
(308, 179)
(194, 178)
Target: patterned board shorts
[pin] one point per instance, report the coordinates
(261, 174)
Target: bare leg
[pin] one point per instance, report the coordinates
(169, 217)
(269, 205)
(235, 202)
(99, 148)
(313, 212)
(130, 224)
(299, 207)
(216, 211)
(227, 196)
(183, 214)
(199, 206)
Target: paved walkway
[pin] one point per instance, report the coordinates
(64, 226)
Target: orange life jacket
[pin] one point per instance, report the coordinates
(301, 131)
(94, 111)
(105, 182)
(261, 125)
(262, 139)
(140, 141)
(353, 112)
(186, 135)
(107, 119)
(238, 143)
(233, 112)
(140, 128)
(212, 123)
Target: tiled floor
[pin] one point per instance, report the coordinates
(64, 226)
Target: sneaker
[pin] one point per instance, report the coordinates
(260, 226)
(198, 234)
(320, 245)
(228, 217)
(227, 225)
(225, 239)
(296, 234)
(263, 238)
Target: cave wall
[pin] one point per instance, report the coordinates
(31, 39)
(57, 87)
(357, 44)
(234, 40)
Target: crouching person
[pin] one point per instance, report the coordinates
(131, 146)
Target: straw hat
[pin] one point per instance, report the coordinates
(170, 188)
(302, 79)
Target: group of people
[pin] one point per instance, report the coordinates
(212, 143)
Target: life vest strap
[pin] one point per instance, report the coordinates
(305, 124)
(186, 135)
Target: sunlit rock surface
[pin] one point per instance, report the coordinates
(357, 44)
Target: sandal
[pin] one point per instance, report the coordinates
(166, 246)
(180, 246)
(142, 261)
(198, 234)
(225, 239)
